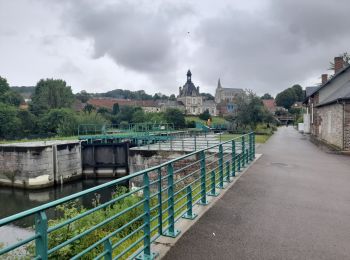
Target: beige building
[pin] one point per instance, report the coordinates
(189, 95)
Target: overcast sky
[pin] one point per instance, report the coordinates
(263, 45)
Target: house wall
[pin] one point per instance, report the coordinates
(347, 127)
(330, 128)
(192, 104)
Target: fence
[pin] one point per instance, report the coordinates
(125, 224)
(111, 129)
(179, 142)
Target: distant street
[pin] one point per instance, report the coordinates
(293, 203)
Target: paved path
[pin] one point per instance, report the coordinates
(293, 203)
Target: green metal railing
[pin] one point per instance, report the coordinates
(126, 224)
(113, 129)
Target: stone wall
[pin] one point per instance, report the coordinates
(39, 164)
(347, 127)
(330, 124)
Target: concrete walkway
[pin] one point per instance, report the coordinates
(293, 203)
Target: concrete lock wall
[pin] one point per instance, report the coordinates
(39, 164)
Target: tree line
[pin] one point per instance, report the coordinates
(51, 112)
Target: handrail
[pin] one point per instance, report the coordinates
(223, 169)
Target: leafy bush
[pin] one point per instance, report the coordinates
(205, 115)
(74, 208)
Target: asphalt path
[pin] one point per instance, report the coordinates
(293, 203)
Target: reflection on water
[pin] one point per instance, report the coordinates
(16, 200)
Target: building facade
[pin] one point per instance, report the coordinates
(226, 94)
(226, 99)
(189, 95)
(327, 115)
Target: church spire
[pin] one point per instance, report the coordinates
(219, 83)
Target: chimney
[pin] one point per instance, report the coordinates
(324, 78)
(338, 64)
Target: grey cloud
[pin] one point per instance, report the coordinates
(68, 67)
(135, 38)
(283, 44)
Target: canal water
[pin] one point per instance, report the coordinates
(14, 200)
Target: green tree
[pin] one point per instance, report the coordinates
(60, 121)
(298, 90)
(172, 97)
(4, 86)
(11, 97)
(286, 98)
(138, 116)
(205, 115)
(29, 123)
(90, 118)
(83, 96)
(126, 113)
(10, 124)
(250, 111)
(115, 109)
(89, 108)
(176, 117)
(266, 96)
(51, 94)
(207, 96)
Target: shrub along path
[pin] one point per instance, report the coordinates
(293, 203)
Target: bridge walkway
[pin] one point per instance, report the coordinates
(293, 203)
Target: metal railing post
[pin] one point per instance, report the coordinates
(212, 184)
(228, 171)
(221, 167)
(183, 147)
(233, 154)
(41, 246)
(171, 232)
(108, 247)
(203, 200)
(246, 156)
(250, 146)
(189, 214)
(160, 206)
(195, 142)
(147, 218)
(242, 151)
(239, 162)
(253, 145)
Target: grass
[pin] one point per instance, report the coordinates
(258, 138)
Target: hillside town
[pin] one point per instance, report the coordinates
(165, 130)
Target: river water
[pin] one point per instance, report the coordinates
(14, 200)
